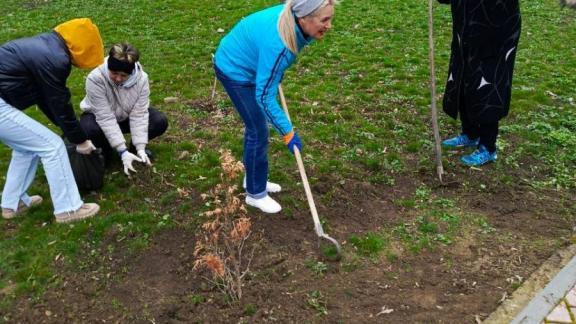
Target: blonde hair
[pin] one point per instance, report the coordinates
(125, 52)
(287, 24)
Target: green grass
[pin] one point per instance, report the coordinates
(359, 100)
(196, 299)
(369, 245)
(250, 309)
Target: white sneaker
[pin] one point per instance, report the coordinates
(270, 186)
(265, 204)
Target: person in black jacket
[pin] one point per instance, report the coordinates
(484, 43)
(33, 71)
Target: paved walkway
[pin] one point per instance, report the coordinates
(565, 312)
(556, 302)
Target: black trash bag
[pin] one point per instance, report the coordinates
(88, 169)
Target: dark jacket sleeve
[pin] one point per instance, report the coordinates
(444, 1)
(55, 99)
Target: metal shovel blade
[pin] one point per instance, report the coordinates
(331, 250)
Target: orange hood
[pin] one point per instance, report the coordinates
(83, 41)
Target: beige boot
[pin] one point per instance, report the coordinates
(87, 210)
(8, 213)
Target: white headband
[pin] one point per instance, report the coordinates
(303, 8)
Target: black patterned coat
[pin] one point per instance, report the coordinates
(484, 43)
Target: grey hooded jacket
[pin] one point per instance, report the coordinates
(112, 103)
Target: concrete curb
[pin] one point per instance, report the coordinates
(540, 293)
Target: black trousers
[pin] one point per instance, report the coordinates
(157, 125)
(486, 132)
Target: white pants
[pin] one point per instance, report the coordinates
(32, 142)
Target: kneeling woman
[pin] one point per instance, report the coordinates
(250, 63)
(117, 102)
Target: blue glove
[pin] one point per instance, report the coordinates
(292, 139)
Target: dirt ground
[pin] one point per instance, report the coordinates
(457, 283)
(450, 284)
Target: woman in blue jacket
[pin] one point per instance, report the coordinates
(250, 63)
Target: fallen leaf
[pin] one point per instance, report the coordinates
(385, 310)
(170, 100)
(183, 155)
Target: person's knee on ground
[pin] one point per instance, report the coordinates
(158, 123)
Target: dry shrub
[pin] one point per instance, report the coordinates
(226, 244)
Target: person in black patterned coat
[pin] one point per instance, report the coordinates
(484, 44)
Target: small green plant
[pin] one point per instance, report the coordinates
(422, 193)
(164, 220)
(406, 203)
(317, 267)
(117, 304)
(426, 226)
(250, 309)
(445, 203)
(452, 220)
(485, 227)
(318, 302)
(196, 299)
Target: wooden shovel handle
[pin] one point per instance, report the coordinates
(317, 224)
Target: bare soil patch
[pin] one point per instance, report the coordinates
(449, 284)
(454, 283)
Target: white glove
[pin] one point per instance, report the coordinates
(127, 159)
(85, 148)
(144, 157)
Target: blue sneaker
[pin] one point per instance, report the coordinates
(479, 157)
(461, 140)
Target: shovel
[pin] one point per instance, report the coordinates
(437, 146)
(316, 219)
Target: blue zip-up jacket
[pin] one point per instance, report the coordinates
(254, 52)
